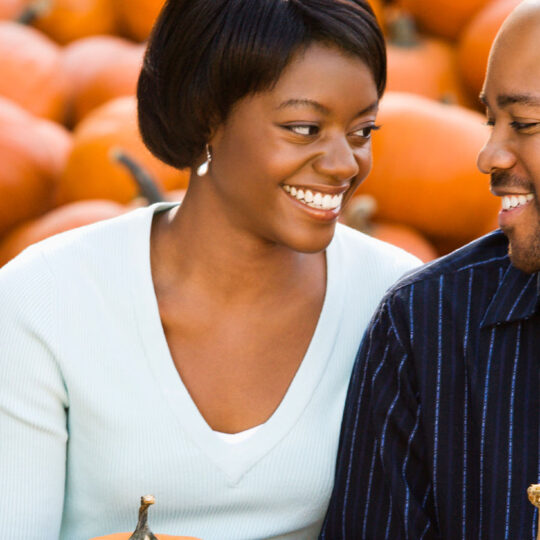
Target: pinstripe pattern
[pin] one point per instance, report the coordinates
(483, 434)
(441, 429)
(510, 438)
(466, 410)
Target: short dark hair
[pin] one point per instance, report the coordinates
(205, 55)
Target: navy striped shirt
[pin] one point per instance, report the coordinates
(440, 436)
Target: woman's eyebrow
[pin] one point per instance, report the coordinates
(304, 102)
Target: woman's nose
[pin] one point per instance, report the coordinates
(495, 155)
(338, 160)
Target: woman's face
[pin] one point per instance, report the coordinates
(286, 160)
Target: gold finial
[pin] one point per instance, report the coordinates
(533, 491)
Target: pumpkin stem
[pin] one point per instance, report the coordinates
(401, 30)
(146, 184)
(142, 532)
(34, 11)
(359, 212)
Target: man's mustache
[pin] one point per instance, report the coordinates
(504, 179)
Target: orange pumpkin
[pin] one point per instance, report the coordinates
(33, 152)
(378, 9)
(424, 173)
(136, 17)
(67, 20)
(358, 215)
(98, 69)
(11, 9)
(475, 44)
(443, 18)
(421, 64)
(90, 173)
(30, 70)
(56, 221)
(404, 237)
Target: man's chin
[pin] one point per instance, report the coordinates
(524, 261)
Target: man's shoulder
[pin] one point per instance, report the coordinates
(486, 254)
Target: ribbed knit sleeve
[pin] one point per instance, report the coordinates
(33, 403)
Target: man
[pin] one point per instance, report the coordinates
(441, 429)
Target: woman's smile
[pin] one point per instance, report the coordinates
(320, 203)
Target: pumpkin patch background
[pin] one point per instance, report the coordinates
(68, 72)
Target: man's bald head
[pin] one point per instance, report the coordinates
(524, 19)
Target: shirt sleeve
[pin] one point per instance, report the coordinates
(382, 486)
(33, 403)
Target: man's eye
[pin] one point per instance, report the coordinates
(489, 122)
(303, 129)
(523, 126)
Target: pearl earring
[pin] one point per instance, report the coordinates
(203, 168)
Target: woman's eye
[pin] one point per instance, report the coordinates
(489, 122)
(366, 131)
(307, 130)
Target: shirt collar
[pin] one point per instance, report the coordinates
(516, 298)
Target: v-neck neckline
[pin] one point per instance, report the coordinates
(233, 460)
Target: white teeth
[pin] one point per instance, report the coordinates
(513, 201)
(315, 200)
(327, 202)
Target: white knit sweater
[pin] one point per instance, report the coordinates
(93, 413)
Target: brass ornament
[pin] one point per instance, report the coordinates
(533, 492)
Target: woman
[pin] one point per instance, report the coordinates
(202, 353)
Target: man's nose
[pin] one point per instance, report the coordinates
(495, 155)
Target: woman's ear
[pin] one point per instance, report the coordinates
(215, 136)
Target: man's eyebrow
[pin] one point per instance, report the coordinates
(321, 108)
(504, 100)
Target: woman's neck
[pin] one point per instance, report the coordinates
(196, 246)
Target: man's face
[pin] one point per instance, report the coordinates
(511, 156)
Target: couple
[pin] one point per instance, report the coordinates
(202, 353)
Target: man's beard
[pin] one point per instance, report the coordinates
(525, 253)
(524, 249)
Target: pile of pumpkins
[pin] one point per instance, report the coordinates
(68, 72)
